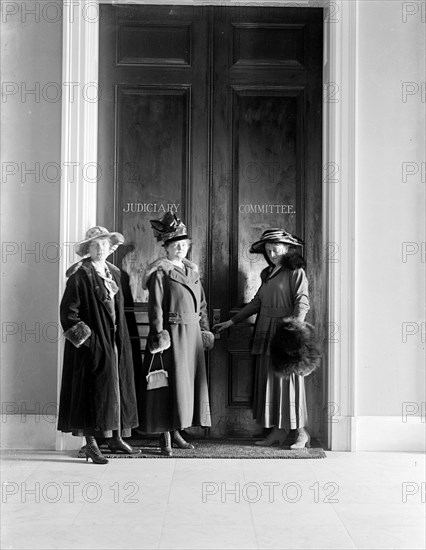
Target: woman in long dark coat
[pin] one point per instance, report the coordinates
(279, 403)
(98, 398)
(179, 332)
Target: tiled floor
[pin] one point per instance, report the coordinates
(348, 500)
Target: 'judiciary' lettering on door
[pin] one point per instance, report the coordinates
(150, 207)
(266, 209)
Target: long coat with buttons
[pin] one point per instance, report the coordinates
(98, 390)
(177, 304)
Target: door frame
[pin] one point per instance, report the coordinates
(80, 61)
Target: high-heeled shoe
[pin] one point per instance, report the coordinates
(166, 444)
(116, 444)
(180, 441)
(276, 437)
(91, 450)
(303, 439)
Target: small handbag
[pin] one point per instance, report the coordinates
(157, 378)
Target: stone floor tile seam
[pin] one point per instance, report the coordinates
(164, 518)
(253, 525)
(345, 527)
(299, 466)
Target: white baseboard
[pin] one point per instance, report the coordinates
(378, 433)
(28, 431)
(34, 432)
(390, 433)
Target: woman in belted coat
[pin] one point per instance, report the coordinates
(279, 403)
(98, 397)
(179, 333)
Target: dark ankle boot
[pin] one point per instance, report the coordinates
(91, 450)
(116, 444)
(180, 441)
(166, 444)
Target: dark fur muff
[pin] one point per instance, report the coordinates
(293, 349)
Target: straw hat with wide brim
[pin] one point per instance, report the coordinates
(98, 232)
(275, 236)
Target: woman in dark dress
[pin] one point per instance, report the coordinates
(98, 398)
(279, 403)
(179, 332)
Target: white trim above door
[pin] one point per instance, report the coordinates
(78, 183)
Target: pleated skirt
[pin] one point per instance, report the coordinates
(278, 402)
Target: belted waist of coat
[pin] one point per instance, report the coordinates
(184, 318)
(276, 311)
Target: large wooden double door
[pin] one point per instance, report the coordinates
(215, 114)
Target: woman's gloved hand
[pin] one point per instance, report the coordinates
(219, 327)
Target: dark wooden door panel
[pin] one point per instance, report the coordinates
(215, 114)
(266, 189)
(266, 147)
(165, 42)
(153, 160)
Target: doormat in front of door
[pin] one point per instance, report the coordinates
(215, 448)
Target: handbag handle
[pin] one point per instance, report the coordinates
(152, 360)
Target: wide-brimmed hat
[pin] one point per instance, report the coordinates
(98, 232)
(275, 235)
(169, 228)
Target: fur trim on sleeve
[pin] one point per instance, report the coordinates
(78, 334)
(165, 265)
(208, 339)
(159, 342)
(293, 349)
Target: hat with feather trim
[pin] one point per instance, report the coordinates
(98, 232)
(169, 228)
(275, 235)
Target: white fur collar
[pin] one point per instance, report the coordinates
(165, 265)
